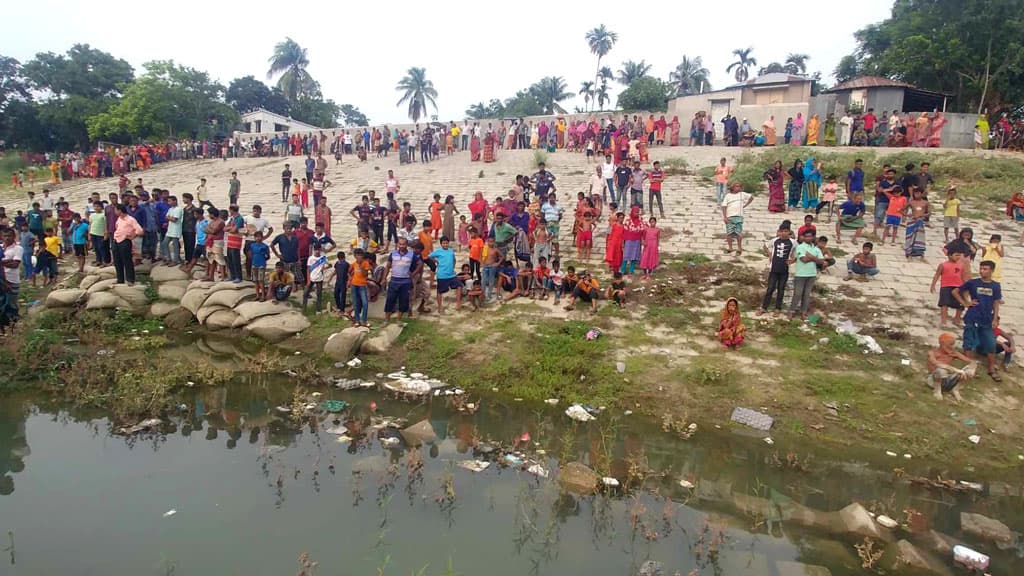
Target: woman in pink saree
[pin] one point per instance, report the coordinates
(935, 132)
(798, 130)
(474, 148)
(674, 134)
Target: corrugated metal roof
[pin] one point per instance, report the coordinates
(870, 82)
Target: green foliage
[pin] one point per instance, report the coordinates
(352, 116)
(290, 61)
(972, 49)
(167, 101)
(316, 111)
(83, 71)
(418, 92)
(539, 157)
(649, 94)
(551, 90)
(247, 93)
(689, 77)
(632, 71)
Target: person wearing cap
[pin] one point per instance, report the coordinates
(942, 375)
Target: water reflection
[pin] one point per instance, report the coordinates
(230, 455)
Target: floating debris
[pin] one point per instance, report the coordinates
(354, 363)
(768, 440)
(752, 418)
(474, 465)
(969, 558)
(551, 401)
(578, 413)
(974, 438)
(170, 513)
(687, 484)
(610, 482)
(887, 522)
(333, 406)
(538, 470)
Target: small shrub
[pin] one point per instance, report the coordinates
(540, 157)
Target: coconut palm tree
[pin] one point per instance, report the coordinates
(587, 91)
(605, 73)
(743, 64)
(550, 91)
(796, 63)
(632, 71)
(290, 60)
(418, 92)
(601, 40)
(602, 96)
(689, 77)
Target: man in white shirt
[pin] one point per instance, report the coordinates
(608, 173)
(13, 255)
(733, 204)
(597, 183)
(172, 239)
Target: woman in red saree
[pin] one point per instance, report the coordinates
(623, 145)
(478, 213)
(730, 325)
(776, 193)
(674, 134)
(474, 148)
(322, 215)
(613, 243)
(659, 130)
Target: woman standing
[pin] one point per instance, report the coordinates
(769, 131)
(613, 243)
(798, 130)
(812, 130)
(812, 182)
(983, 129)
(830, 130)
(796, 183)
(776, 195)
(632, 241)
(674, 134)
(489, 147)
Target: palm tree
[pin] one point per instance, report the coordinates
(291, 59)
(602, 96)
(587, 91)
(605, 73)
(796, 63)
(550, 91)
(742, 65)
(632, 71)
(418, 91)
(477, 111)
(689, 77)
(600, 40)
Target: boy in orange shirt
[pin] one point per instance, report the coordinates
(426, 238)
(476, 250)
(894, 213)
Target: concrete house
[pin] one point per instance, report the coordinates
(262, 121)
(867, 92)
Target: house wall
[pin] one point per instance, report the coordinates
(959, 130)
(882, 99)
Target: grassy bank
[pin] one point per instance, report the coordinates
(985, 184)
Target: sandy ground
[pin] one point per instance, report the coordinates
(690, 213)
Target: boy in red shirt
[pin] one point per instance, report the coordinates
(950, 276)
(656, 177)
(894, 213)
(540, 277)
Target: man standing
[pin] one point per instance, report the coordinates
(234, 189)
(172, 238)
(544, 181)
(656, 176)
(623, 175)
(855, 178)
(12, 258)
(869, 120)
(188, 226)
(733, 204)
(807, 257)
(608, 174)
(286, 182)
(126, 229)
(636, 185)
(778, 251)
(845, 129)
(403, 264)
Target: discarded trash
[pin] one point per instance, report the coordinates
(627, 413)
(333, 406)
(686, 484)
(283, 409)
(147, 424)
(354, 363)
(610, 482)
(421, 432)
(474, 465)
(593, 334)
(908, 456)
(190, 383)
(578, 413)
(768, 440)
(316, 394)
(337, 430)
(887, 522)
(620, 367)
(752, 418)
(170, 513)
(389, 441)
(974, 438)
(291, 373)
(905, 361)
(552, 401)
(538, 470)
(512, 460)
(970, 422)
(848, 327)
(969, 558)
(298, 352)
(650, 567)
(891, 453)
(344, 439)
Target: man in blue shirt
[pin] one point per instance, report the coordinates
(34, 218)
(286, 248)
(310, 166)
(445, 274)
(981, 298)
(855, 178)
(403, 264)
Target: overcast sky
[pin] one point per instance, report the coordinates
(473, 51)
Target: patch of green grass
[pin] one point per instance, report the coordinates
(676, 166)
(540, 157)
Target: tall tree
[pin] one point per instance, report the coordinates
(352, 116)
(646, 93)
(587, 91)
(418, 92)
(602, 96)
(689, 77)
(632, 71)
(290, 61)
(600, 40)
(972, 49)
(847, 69)
(315, 110)
(247, 93)
(744, 61)
(796, 63)
(550, 91)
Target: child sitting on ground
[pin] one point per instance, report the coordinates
(470, 288)
(826, 254)
(507, 281)
(617, 290)
(1004, 344)
(526, 279)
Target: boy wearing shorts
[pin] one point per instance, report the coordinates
(79, 239)
(444, 259)
(259, 253)
(733, 204)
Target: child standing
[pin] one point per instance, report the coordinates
(951, 213)
(950, 276)
(651, 254)
(304, 193)
(585, 235)
(463, 232)
(554, 279)
(894, 213)
(435, 216)
(476, 249)
(46, 260)
(994, 253)
(828, 198)
(80, 239)
(259, 254)
(722, 173)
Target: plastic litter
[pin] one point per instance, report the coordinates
(887, 522)
(969, 558)
(283, 409)
(620, 367)
(578, 413)
(594, 333)
(905, 361)
(170, 513)
(610, 482)
(333, 406)
(975, 486)
(891, 453)
(752, 418)
(390, 441)
(538, 470)
(974, 438)
(552, 401)
(687, 484)
(344, 439)
(512, 460)
(768, 440)
(337, 430)
(474, 465)
(848, 327)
